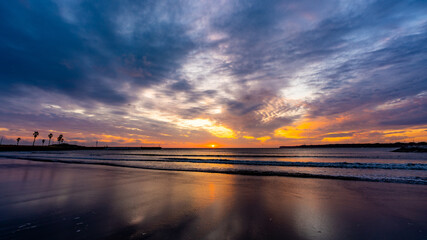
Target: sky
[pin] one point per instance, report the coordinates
(230, 73)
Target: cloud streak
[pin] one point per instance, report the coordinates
(237, 73)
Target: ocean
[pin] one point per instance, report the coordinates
(359, 164)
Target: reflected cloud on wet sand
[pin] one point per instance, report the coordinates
(72, 201)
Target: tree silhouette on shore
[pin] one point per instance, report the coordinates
(43, 142)
(17, 141)
(35, 134)
(60, 139)
(50, 137)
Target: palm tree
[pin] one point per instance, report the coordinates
(50, 137)
(60, 138)
(17, 141)
(35, 134)
(43, 142)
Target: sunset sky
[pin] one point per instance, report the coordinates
(229, 73)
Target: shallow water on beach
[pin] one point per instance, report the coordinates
(364, 164)
(47, 200)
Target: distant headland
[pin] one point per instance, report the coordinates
(401, 147)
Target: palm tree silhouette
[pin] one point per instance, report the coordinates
(50, 137)
(17, 141)
(43, 142)
(35, 134)
(60, 138)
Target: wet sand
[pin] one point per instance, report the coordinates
(71, 201)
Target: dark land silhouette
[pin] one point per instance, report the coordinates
(65, 146)
(357, 145)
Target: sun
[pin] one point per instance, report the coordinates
(213, 145)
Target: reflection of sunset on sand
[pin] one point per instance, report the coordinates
(112, 203)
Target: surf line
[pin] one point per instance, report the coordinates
(417, 180)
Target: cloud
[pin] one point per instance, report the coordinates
(181, 85)
(250, 70)
(84, 53)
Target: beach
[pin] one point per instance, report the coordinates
(43, 200)
(213, 120)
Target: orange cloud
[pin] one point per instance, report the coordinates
(324, 129)
(335, 139)
(263, 139)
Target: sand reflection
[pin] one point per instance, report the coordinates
(66, 201)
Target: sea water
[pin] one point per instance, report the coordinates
(362, 164)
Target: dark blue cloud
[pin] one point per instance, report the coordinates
(181, 85)
(87, 58)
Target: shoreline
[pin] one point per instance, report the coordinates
(420, 181)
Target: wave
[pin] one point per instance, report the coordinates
(400, 166)
(261, 156)
(353, 165)
(406, 180)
